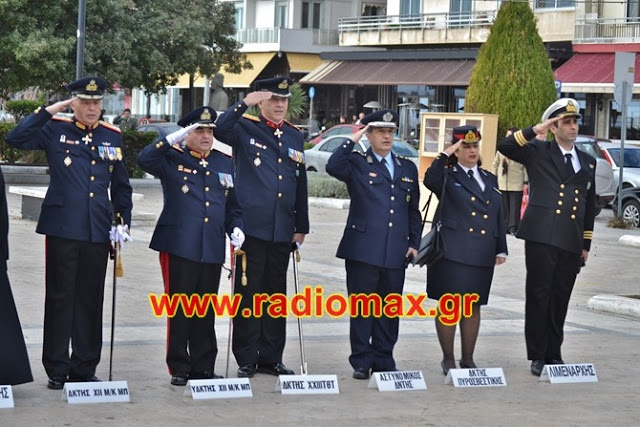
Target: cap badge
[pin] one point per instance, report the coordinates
(470, 137)
(571, 108)
(387, 117)
(206, 115)
(92, 86)
(283, 85)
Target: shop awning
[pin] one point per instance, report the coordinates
(244, 79)
(590, 73)
(303, 62)
(433, 73)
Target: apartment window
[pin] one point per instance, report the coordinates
(311, 11)
(633, 9)
(281, 14)
(239, 15)
(554, 4)
(410, 7)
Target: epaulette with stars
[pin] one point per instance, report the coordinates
(292, 125)
(251, 117)
(110, 126)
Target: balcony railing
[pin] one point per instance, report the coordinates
(423, 21)
(276, 35)
(607, 30)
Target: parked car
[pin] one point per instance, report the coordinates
(161, 129)
(605, 184)
(343, 129)
(631, 173)
(630, 205)
(316, 158)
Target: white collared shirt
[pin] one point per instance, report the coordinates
(388, 160)
(476, 174)
(574, 157)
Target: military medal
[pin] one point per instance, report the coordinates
(203, 163)
(185, 189)
(257, 161)
(87, 139)
(67, 161)
(278, 133)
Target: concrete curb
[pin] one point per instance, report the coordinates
(329, 203)
(615, 304)
(628, 240)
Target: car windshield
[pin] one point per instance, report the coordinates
(631, 156)
(590, 147)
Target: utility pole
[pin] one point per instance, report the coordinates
(82, 15)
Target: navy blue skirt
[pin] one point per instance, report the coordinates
(456, 278)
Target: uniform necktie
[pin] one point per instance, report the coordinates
(474, 182)
(568, 165)
(386, 164)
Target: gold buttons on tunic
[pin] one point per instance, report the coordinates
(93, 178)
(279, 194)
(390, 224)
(473, 198)
(280, 177)
(206, 219)
(207, 203)
(206, 188)
(208, 173)
(558, 211)
(483, 232)
(391, 211)
(561, 185)
(279, 160)
(473, 214)
(90, 194)
(471, 230)
(485, 216)
(561, 194)
(573, 217)
(393, 198)
(560, 202)
(93, 162)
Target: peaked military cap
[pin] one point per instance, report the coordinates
(381, 119)
(467, 134)
(563, 107)
(204, 116)
(91, 87)
(279, 86)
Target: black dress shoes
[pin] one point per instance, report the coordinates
(467, 365)
(91, 379)
(446, 365)
(56, 383)
(555, 362)
(536, 367)
(179, 378)
(274, 369)
(361, 373)
(204, 375)
(246, 371)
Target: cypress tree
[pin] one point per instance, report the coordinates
(512, 76)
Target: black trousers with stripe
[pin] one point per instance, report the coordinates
(191, 341)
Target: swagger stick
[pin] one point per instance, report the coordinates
(117, 271)
(295, 255)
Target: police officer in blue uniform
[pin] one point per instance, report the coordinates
(85, 158)
(382, 233)
(199, 206)
(474, 234)
(271, 186)
(557, 225)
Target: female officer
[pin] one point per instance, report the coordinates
(474, 235)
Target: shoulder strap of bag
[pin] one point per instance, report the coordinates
(425, 209)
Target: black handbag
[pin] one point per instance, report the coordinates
(432, 247)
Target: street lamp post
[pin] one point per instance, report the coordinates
(82, 13)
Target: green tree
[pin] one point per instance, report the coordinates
(512, 76)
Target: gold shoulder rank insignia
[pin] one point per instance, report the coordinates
(251, 117)
(110, 126)
(177, 148)
(292, 125)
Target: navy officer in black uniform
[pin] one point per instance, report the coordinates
(271, 185)
(382, 232)
(473, 230)
(199, 206)
(85, 158)
(557, 225)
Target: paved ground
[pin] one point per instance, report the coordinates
(609, 341)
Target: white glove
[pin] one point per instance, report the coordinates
(181, 134)
(237, 238)
(120, 234)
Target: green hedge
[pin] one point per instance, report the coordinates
(322, 185)
(134, 142)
